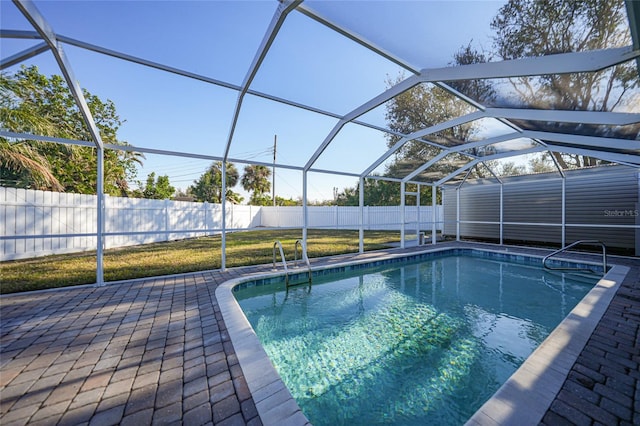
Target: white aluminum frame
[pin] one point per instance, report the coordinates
(622, 151)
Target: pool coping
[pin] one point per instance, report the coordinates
(543, 372)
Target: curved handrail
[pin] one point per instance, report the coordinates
(575, 243)
(278, 244)
(303, 249)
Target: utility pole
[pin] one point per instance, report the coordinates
(273, 174)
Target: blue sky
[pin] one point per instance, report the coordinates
(308, 63)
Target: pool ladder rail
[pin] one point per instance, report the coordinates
(303, 249)
(575, 243)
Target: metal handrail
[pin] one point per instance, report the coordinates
(278, 244)
(303, 250)
(575, 243)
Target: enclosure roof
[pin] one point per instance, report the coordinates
(324, 76)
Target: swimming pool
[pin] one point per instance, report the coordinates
(427, 340)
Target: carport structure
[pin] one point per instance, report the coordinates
(509, 125)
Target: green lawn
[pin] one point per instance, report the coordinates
(198, 254)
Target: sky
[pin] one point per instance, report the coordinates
(308, 63)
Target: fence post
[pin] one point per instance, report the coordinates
(167, 221)
(361, 205)
(434, 216)
(564, 211)
(106, 221)
(501, 213)
(402, 213)
(418, 215)
(458, 213)
(205, 226)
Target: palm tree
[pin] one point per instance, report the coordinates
(22, 164)
(256, 180)
(33, 103)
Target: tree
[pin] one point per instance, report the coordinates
(418, 108)
(33, 103)
(21, 166)
(158, 189)
(280, 201)
(482, 91)
(209, 186)
(525, 28)
(510, 168)
(256, 180)
(542, 164)
(426, 105)
(261, 200)
(377, 192)
(380, 192)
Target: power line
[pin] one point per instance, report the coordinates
(253, 154)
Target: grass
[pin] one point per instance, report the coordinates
(198, 254)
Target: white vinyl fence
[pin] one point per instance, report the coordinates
(338, 217)
(38, 223)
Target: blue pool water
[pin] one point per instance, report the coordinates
(418, 343)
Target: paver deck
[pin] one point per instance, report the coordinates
(157, 351)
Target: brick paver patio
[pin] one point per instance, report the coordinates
(603, 386)
(144, 352)
(156, 351)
